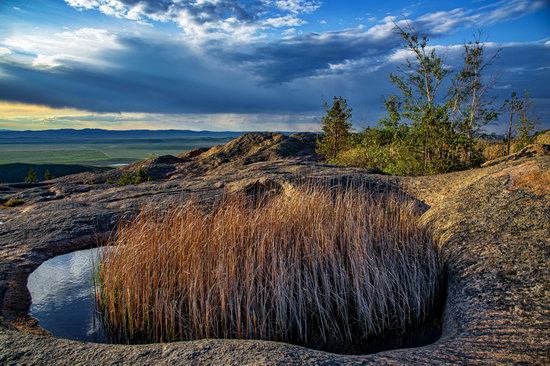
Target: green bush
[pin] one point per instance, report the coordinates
(131, 178)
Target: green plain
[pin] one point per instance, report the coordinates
(98, 153)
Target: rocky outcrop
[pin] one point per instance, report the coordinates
(494, 223)
(526, 152)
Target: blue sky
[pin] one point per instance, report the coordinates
(242, 64)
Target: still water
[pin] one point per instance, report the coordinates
(63, 303)
(62, 296)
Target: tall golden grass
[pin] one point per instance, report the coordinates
(309, 265)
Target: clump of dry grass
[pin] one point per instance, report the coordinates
(307, 266)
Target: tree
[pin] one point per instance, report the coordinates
(527, 121)
(514, 105)
(47, 175)
(470, 106)
(336, 127)
(31, 176)
(419, 82)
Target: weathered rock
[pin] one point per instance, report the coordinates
(526, 152)
(494, 223)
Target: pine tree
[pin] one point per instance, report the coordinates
(336, 127)
(47, 175)
(31, 176)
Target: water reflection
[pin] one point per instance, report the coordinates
(62, 296)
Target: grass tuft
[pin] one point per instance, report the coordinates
(308, 266)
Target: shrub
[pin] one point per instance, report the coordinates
(14, 202)
(364, 157)
(138, 177)
(308, 266)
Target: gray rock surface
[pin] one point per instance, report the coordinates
(494, 223)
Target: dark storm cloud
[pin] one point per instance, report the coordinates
(147, 77)
(311, 54)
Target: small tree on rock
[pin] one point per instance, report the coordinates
(514, 106)
(336, 128)
(527, 122)
(31, 176)
(47, 175)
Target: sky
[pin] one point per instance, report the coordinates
(244, 65)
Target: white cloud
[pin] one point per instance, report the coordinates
(286, 21)
(83, 4)
(206, 20)
(289, 33)
(5, 51)
(83, 45)
(386, 29)
(242, 21)
(298, 6)
(443, 22)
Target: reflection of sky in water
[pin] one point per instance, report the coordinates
(62, 296)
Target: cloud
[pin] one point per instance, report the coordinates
(298, 6)
(285, 75)
(209, 20)
(445, 22)
(311, 54)
(169, 78)
(213, 122)
(144, 75)
(286, 21)
(84, 45)
(295, 54)
(350, 50)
